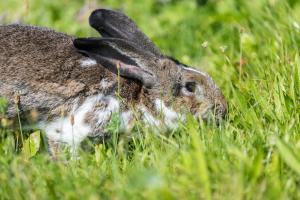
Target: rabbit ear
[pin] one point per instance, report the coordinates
(118, 56)
(115, 24)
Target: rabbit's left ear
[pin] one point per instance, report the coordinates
(110, 23)
(118, 56)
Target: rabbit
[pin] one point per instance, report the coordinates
(76, 84)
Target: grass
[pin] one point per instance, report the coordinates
(250, 48)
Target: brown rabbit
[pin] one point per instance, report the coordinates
(75, 87)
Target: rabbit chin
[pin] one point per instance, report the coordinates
(74, 128)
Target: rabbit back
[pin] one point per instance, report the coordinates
(44, 69)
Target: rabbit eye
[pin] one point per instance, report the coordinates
(190, 86)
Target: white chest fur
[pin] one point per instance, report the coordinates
(64, 130)
(73, 131)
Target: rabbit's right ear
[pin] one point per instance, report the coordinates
(115, 24)
(118, 56)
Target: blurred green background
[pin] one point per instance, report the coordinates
(250, 48)
(178, 27)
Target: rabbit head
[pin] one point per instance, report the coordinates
(168, 85)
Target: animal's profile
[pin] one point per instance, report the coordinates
(74, 85)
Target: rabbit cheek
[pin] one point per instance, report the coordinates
(189, 104)
(198, 108)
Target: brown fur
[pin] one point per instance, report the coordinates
(41, 74)
(42, 67)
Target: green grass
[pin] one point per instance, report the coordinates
(254, 154)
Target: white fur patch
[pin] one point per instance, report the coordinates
(170, 116)
(88, 62)
(105, 114)
(62, 130)
(148, 118)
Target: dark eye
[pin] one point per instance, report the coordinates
(190, 86)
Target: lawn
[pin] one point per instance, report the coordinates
(250, 48)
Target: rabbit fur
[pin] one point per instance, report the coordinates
(76, 84)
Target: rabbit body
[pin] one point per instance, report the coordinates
(43, 68)
(75, 85)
